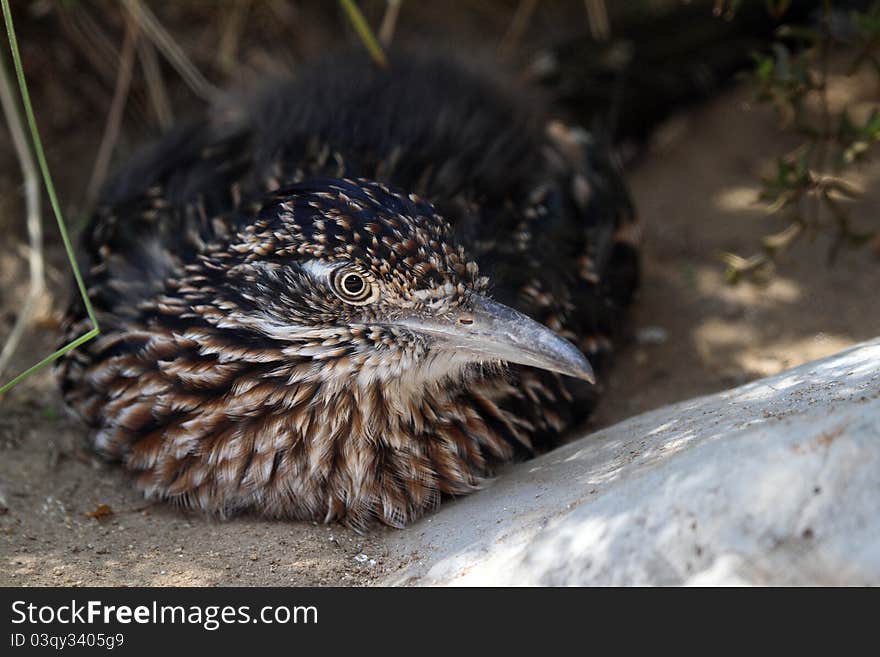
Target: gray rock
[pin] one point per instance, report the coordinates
(776, 482)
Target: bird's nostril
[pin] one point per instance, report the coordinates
(466, 320)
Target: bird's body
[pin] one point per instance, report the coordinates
(294, 295)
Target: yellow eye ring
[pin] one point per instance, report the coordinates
(353, 286)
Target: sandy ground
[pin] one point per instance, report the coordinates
(692, 335)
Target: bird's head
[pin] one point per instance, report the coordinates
(369, 282)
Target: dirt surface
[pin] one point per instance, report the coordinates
(68, 519)
(692, 335)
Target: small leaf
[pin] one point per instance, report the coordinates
(855, 152)
(102, 512)
(839, 185)
(781, 241)
(871, 129)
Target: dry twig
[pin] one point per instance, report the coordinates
(155, 84)
(389, 22)
(230, 34)
(34, 227)
(117, 109)
(169, 48)
(597, 16)
(518, 25)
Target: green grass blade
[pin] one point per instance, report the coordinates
(53, 200)
(364, 32)
(49, 359)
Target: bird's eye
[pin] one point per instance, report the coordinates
(352, 287)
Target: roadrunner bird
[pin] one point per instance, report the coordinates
(354, 296)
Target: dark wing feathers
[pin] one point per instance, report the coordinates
(542, 207)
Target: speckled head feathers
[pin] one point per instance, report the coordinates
(397, 237)
(336, 260)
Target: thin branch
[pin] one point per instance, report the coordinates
(37, 283)
(518, 25)
(117, 109)
(597, 16)
(230, 34)
(389, 22)
(155, 84)
(175, 55)
(93, 42)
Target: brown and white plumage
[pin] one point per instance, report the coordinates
(301, 298)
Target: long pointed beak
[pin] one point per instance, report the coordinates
(493, 331)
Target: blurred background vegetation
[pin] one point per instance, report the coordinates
(107, 75)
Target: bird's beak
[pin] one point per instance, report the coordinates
(493, 331)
